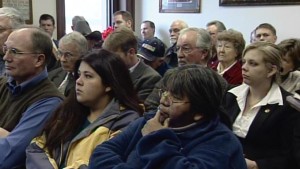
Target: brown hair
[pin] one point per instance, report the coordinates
(234, 37)
(291, 48)
(266, 26)
(121, 39)
(125, 15)
(70, 116)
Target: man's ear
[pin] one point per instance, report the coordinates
(204, 54)
(40, 60)
(131, 51)
(129, 23)
(275, 38)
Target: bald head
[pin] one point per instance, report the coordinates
(24, 61)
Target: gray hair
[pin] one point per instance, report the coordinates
(203, 40)
(76, 19)
(75, 38)
(182, 23)
(15, 17)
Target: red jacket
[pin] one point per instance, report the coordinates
(233, 75)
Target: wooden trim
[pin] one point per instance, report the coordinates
(130, 5)
(60, 18)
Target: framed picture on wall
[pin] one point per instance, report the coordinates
(257, 2)
(24, 6)
(179, 6)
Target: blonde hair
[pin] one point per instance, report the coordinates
(271, 55)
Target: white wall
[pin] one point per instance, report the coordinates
(40, 7)
(243, 18)
(94, 16)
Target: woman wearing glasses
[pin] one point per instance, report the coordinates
(104, 104)
(185, 132)
(262, 120)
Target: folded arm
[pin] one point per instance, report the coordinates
(30, 125)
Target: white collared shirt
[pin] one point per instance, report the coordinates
(243, 121)
(219, 68)
(134, 66)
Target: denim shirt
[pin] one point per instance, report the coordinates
(17, 89)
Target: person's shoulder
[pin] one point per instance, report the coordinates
(284, 93)
(147, 70)
(143, 119)
(296, 74)
(129, 114)
(136, 124)
(55, 72)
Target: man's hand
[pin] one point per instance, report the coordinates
(3, 133)
(154, 124)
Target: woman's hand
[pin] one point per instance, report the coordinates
(155, 124)
(3, 133)
(251, 164)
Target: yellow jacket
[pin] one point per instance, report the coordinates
(78, 151)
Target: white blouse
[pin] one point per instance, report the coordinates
(243, 121)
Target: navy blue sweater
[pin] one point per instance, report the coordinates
(205, 145)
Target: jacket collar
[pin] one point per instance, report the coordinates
(274, 95)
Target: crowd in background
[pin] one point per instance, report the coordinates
(114, 100)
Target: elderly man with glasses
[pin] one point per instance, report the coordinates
(70, 49)
(193, 47)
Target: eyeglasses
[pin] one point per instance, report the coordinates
(170, 99)
(14, 51)
(67, 55)
(185, 50)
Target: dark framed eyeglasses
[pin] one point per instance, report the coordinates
(166, 95)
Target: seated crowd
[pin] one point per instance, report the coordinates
(123, 102)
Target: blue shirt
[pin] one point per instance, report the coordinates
(30, 125)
